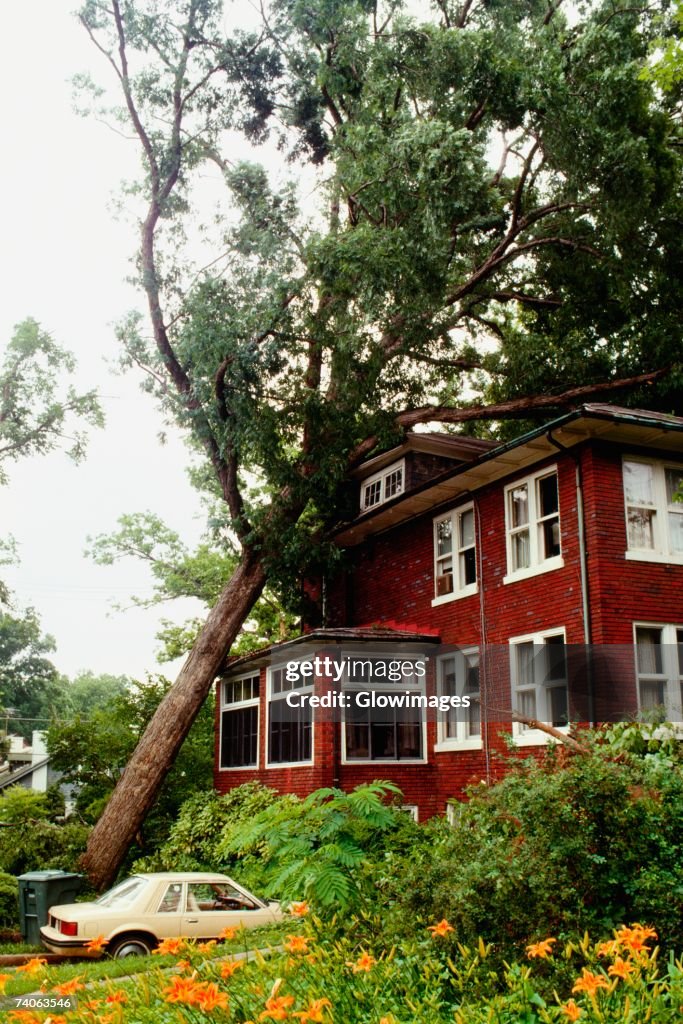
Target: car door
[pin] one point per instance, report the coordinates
(212, 906)
(165, 916)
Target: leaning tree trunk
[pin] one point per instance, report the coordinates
(154, 755)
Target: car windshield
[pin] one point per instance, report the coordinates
(123, 894)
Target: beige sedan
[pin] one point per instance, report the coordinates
(137, 914)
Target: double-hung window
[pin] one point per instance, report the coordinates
(654, 511)
(455, 555)
(458, 676)
(659, 665)
(383, 485)
(384, 715)
(538, 666)
(239, 722)
(290, 721)
(532, 518)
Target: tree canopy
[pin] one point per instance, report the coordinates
(486, 226)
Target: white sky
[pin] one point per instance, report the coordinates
(64, 261)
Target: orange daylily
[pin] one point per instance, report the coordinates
(296, 944)
(173, 946)
(542, 949)
(23, 1017)
(365, 962)
(635, 937)
(299, 909)
(227, 934)
(314, 1011)
(4, 978)
(442, 928)
(277, 1008)
(590, 983)
(69, 987)
(97, 944)
(571, 1010)
(229, 967)
(206, 947)
(620, 968)
(181, 990)
(609, 948)
(117, 997)
(32, 967)
(210, 997)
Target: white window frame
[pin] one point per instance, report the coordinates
(382, 479)
(461, 741)
(537, 564)
(240, 706)
(384, 686)
(522, 735)
(460, 589)
(662, 548)
(308, 688)
(671, 676)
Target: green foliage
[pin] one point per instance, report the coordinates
(561, 844)
(9, 901)
(205, 822)
(92, 749)
(29, 683)
(38, 410)
(321, 847)
(178, 572)
(30, 840)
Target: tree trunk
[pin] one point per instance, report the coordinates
(154, 755)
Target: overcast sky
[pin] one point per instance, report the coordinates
(65, 259)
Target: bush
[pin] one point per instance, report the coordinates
(570, 842)
(30, 841)
(9, 901)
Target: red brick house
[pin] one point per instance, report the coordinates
(540, 579)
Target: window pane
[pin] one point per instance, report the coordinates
(239, 737)
(651, 694)
(444, 537)
(638, 483)
(556, 667)
(557, 699)
(521, 550)
(289, 733)
(526, 703)
(547, 495)
(373, 494)
(393, 483)
(550, 538)
(467, 529)
(444, 579)
(519, 506)
(649, 648)
(679, 645)
(525, 663)
(468, 567)
(640, 532)
(674, 488)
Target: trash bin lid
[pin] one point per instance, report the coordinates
(45, 876)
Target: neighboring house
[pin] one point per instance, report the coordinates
(540, 580)
(28, 765)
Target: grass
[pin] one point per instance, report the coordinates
(93, 971)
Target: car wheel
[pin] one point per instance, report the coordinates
(130, 945)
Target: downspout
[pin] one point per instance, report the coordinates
(583, 573)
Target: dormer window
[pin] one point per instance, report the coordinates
(383, 485)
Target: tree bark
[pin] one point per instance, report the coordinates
(154, 755)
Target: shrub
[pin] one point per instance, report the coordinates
(9, 901)
(563, 844)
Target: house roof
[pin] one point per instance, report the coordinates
(21, 773)
(330, 637)
(638, 428)
(450, 446)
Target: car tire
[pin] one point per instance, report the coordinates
(131, 945)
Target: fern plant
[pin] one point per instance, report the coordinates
(317, 848)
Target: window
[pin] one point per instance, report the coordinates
(384, 716)
(382, 486)
(539, 683)
(654, 518)
(458, 675)
(239, 722)
(532, 515)
(290, 729)
(659, 665)
(455, 555)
